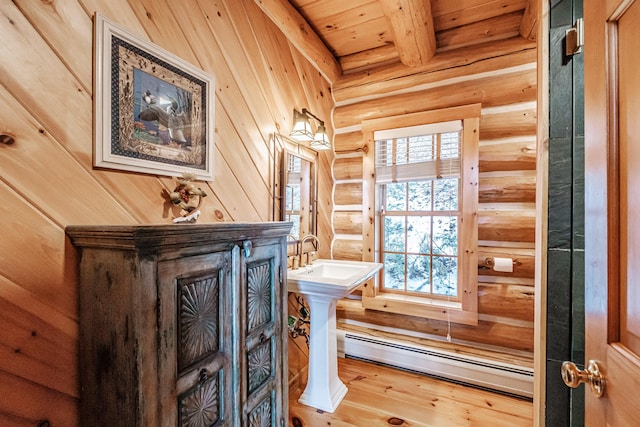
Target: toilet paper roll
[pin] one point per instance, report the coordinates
(503, 264)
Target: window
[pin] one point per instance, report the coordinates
(419, 211)
(425, 198)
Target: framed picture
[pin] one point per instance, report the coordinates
(154, 112)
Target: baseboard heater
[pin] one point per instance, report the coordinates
(492, 375)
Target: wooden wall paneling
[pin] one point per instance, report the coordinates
(347, 249)
(248, 21)
(65, 111)
(37, 307)
(317, 91)
(66, 21)
(119, 11)
(46, 87)
(163, 28)
(506, 300)
(244, 54)
(490, 91)
(506, 226)
(496, 58)
(515, 186)
(512, 335)
(277, 56)
(252, 191)
(349, 193)
(237, 202)
(27, 404)
(508, 154)
(348, 142)
(348, 222)
(345, 168)
(510, 122)
(66, 193)
(37, 351)
(238, 207)
(32, 252)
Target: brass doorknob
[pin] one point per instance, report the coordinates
(572, 376)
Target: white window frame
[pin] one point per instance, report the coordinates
(465, 310)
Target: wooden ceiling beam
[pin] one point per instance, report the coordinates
(302, 36)
(529, 24)
(411, 26)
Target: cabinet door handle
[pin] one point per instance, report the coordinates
(246, 247)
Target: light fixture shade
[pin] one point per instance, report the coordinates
(301, 130)
(321, 139)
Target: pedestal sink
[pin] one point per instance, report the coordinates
(323, 283)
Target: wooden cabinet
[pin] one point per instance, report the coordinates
(183, 325)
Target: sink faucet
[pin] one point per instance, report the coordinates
(296, 253)
(302, 262)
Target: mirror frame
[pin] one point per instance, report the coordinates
(284, 146)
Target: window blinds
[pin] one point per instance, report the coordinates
(418, 152)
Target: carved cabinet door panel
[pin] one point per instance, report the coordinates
(262, 357)
(195, 341)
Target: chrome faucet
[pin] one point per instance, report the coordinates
(302, 261)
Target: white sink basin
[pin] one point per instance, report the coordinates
(331, 278)
(323, 283)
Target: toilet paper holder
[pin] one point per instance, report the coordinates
(489, 262)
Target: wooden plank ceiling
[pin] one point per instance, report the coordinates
(342, 36)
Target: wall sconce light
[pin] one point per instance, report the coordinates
(302, 131)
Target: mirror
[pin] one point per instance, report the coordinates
(295, 189)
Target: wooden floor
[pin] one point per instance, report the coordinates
(381, 396)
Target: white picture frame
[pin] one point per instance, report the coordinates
(153, 111)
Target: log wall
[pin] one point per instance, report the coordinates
(47, 180)
(502, 77)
